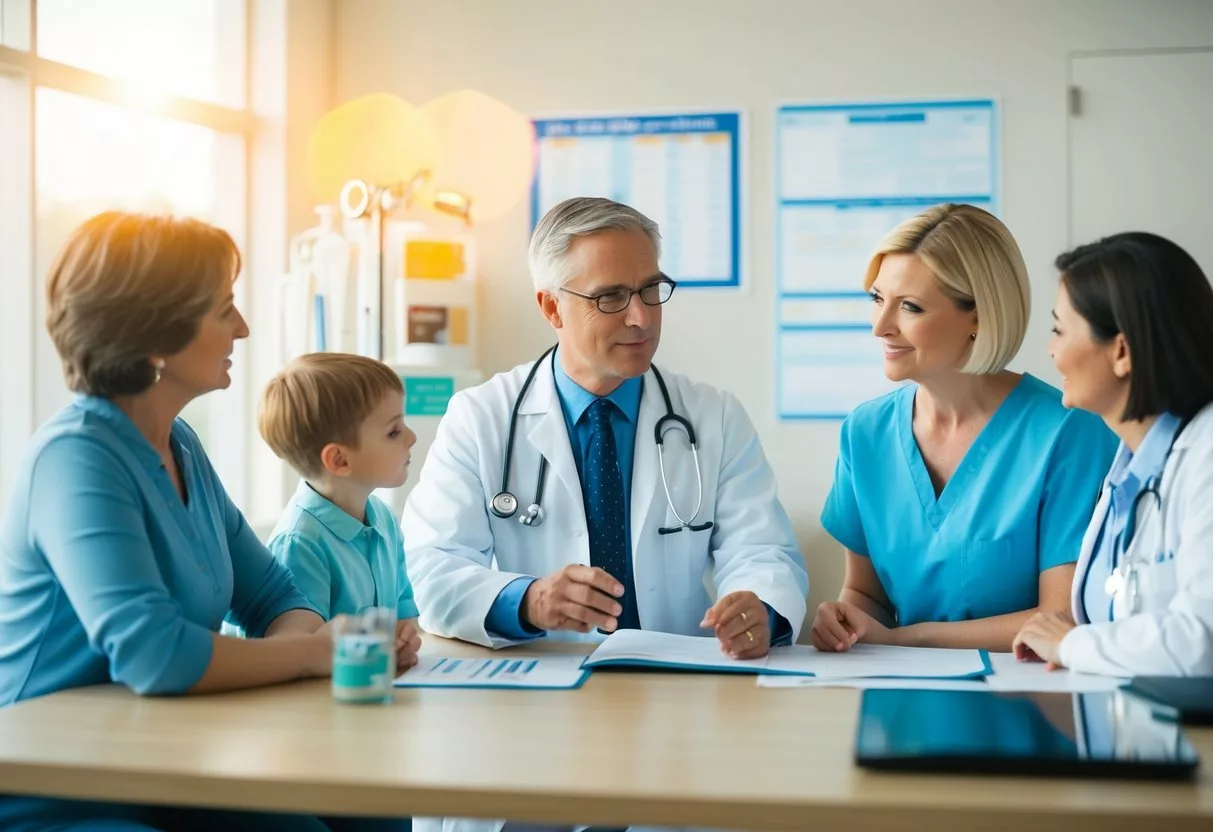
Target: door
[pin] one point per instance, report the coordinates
(1141, 147)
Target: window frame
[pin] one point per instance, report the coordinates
(22, 73)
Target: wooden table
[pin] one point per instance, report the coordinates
(625, 748)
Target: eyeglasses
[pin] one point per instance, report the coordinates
(653, 293)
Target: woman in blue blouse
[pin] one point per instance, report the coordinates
(121, 552)
(960, 498)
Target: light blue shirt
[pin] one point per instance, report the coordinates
(1017, 505)
(1130, 472)
(341, 564)
(106, 575)
(504, 618)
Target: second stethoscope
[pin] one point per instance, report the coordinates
(1124, 577)
(504, 504)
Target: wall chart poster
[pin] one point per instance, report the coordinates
(684, 171)
(846, 174)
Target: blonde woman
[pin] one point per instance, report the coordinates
(121, 552)
(960, 498)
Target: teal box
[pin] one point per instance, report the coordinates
(427, 395)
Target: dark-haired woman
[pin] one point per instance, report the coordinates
(1133, 339)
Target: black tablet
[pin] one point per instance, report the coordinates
(1188, 699)
(1048, 734)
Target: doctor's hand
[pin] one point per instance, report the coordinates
(742, 625)
(575, 598)
(408, 643)
(1039, 639)
(839, 625)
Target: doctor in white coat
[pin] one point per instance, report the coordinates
(546, 508)
(543, 507)
(1134, 343)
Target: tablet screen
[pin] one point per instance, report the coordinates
(1095, 734)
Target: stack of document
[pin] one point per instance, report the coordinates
(797, 665)
(1008, 676)
(640, 648)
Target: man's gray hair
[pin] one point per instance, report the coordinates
(579, 217)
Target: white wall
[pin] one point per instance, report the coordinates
(564, 55)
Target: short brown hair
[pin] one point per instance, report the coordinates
(126, 287)
(320, 398)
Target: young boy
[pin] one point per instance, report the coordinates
(338, 420)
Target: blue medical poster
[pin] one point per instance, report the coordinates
(846, 174)
(683, 171)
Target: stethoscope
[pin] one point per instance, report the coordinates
(504, 504)
(1124, 577)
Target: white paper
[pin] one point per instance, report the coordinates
(869, 683)
(877, 660)
(498, 671)
(1011, 676)
(668, 649)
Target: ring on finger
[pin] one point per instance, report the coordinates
(744, 619)
(750, 636)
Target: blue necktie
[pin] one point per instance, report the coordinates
(602, 490)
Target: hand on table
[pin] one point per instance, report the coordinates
(742, 625)
(838, 625)
(575, 598)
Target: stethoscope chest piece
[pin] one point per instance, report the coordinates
(533, 516)
(504, 504)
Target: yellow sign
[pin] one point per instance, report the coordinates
(433, 260)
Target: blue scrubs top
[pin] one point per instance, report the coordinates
(1018, 503)
(106, 575)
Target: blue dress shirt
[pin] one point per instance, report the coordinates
(341, 564)
(505, 615)
(1129, 474)
(106, 575)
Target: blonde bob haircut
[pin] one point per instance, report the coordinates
(126, 287)
(321, 398)
(979, 267)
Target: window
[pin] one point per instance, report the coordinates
(191, 48)
(86, 162)
(130, 104)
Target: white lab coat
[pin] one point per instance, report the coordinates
(460, 555)
(1172, 634)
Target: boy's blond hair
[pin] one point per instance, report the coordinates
(318, 399)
